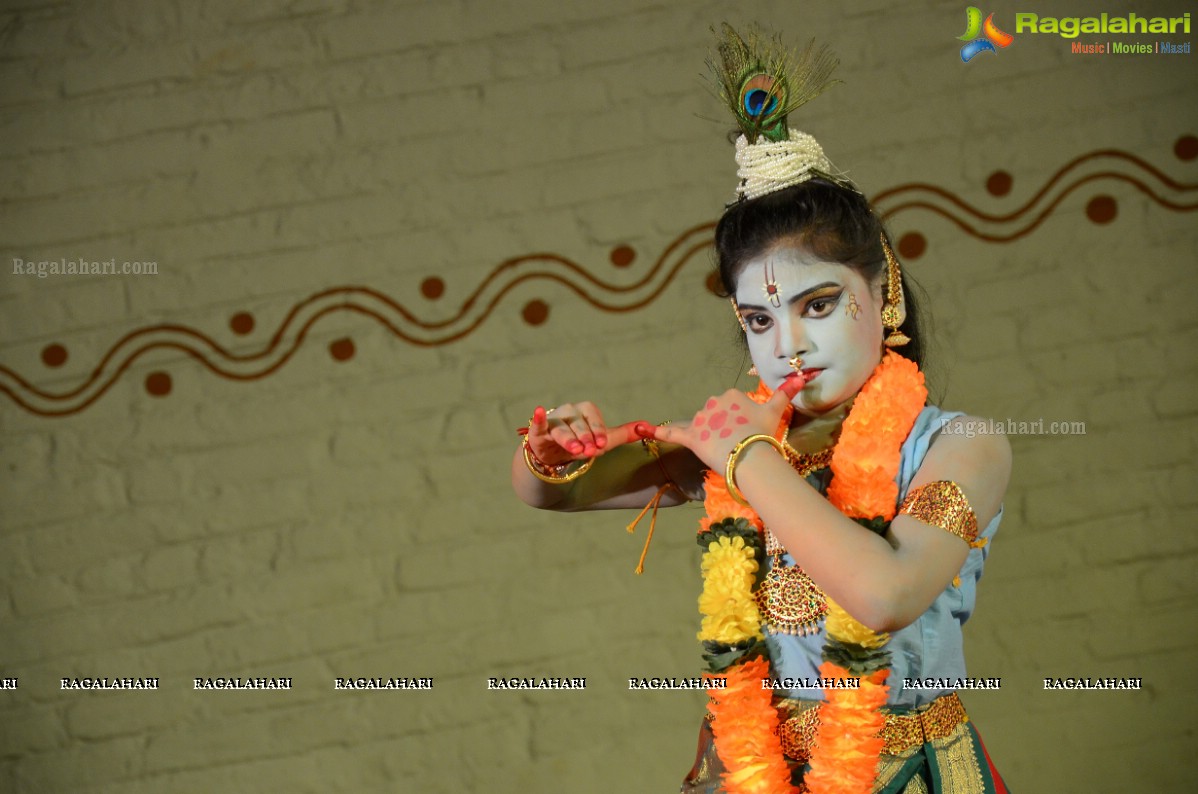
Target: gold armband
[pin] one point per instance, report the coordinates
(943, 504)
(734, 457)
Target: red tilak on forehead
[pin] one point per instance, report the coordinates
(771, 284)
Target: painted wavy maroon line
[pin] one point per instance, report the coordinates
(585, 274)
(1029, 228)
(573, 268)
(191, 352)
(185, 331)
(609, 307)
(1047, 187)
(276, 340)
(466, 306)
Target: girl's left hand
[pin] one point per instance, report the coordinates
(725, 421)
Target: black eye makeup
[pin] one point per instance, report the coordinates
(815, 302)
(758, 323)
(823, 302)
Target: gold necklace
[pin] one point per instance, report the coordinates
(788, 600)
(805, 463)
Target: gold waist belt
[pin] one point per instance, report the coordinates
(901, 732)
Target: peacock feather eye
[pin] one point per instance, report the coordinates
(762, 98)
(761, 81)
(759, 96)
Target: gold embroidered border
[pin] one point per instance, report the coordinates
(916, 786)
(957, 763)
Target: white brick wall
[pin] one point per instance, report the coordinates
(354, 518)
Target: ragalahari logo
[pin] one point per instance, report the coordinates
(990, 36)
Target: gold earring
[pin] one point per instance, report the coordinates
(893, 313)
(739, 318)
(752, 371)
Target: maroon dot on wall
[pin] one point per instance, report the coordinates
(242, 323)
(535, 312)
(54, 355)
(1102, 209)
(342, 349)
(622, 255)
(912, 245)
(712, 282)
(1186, 147)
(158, 384)
(999, 183)
(432, 288)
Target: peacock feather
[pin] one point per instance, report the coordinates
(761, 81)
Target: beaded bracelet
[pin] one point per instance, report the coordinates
(734, 457)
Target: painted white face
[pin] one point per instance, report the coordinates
(824, 312)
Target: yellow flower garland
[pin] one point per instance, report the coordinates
(864, 467)
(727, 603)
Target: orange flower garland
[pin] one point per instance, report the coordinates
(745, 724)
(864, 467)
(865, 461)
(847, 743)
(720, 504)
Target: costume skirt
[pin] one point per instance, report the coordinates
(932, 749)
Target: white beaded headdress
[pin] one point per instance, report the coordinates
(761, 83)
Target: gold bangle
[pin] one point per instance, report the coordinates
(734, 456)
(943, 504)
(553, 474)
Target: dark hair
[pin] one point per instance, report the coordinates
(833, 223)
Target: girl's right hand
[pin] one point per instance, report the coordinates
(727, 419)
(575, 431)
